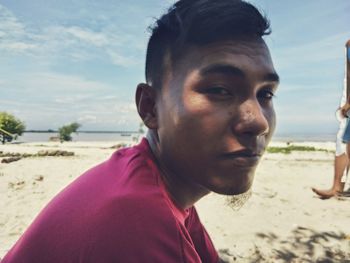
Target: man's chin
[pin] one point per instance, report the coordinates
(231, 185)
(233, 188)
(237, 201)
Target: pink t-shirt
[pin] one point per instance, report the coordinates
(118, 211)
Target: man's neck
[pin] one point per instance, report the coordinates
(183, 192)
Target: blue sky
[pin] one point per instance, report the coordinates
(79, 60)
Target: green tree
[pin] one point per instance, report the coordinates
(65, 132)
(10, 124)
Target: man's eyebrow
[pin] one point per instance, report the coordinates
(222, 69)
(235, 71)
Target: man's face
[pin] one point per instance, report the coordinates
(215, 114)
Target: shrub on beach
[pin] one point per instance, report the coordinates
(11, 124)
(290, 148)
(65, 132)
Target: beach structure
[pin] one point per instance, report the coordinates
(6, 136)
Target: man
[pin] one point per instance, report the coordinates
(207, 103)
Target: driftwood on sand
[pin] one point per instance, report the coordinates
(12, 157)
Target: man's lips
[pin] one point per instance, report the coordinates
(244, 157)
(244, 153)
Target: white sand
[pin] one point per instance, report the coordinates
(282, 222)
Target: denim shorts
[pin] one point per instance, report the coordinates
(346, 135)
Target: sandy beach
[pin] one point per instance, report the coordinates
(283, 221)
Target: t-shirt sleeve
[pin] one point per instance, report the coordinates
(202, 242)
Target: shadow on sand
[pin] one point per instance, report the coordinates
(303, 245)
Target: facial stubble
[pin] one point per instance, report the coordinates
(236, 202)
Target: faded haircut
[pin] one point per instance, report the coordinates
(199, 22)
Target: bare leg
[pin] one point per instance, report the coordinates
(340, 164)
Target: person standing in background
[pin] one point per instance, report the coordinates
(342, 152)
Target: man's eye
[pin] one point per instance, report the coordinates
(266, 94)
(217, 91)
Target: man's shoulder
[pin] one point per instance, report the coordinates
(116, 212)
(124, 186)
(122, 196)
(124, 161)
(124, 168)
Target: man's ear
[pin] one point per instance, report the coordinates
(146, 105)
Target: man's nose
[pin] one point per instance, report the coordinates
(251, 119)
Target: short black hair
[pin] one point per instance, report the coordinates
(199, 22)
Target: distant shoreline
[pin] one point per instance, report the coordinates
(307, 137)
(88, 136)
(81, 136)
(80, 131)
(283, 136)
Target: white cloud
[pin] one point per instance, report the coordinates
(94, 38)
(108, 98)
(54, 83)
(91, 114)
(74, 36)
(71, 99)
(13, 35)
(73, 42)
(318, 51)
(9, 25)
(17, 46)
(5, 104)
(126, 107)
(120, 60)
(87, 119)
(55, 99)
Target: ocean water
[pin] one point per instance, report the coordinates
(118, 136)
(305, 137)
(81, 136)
